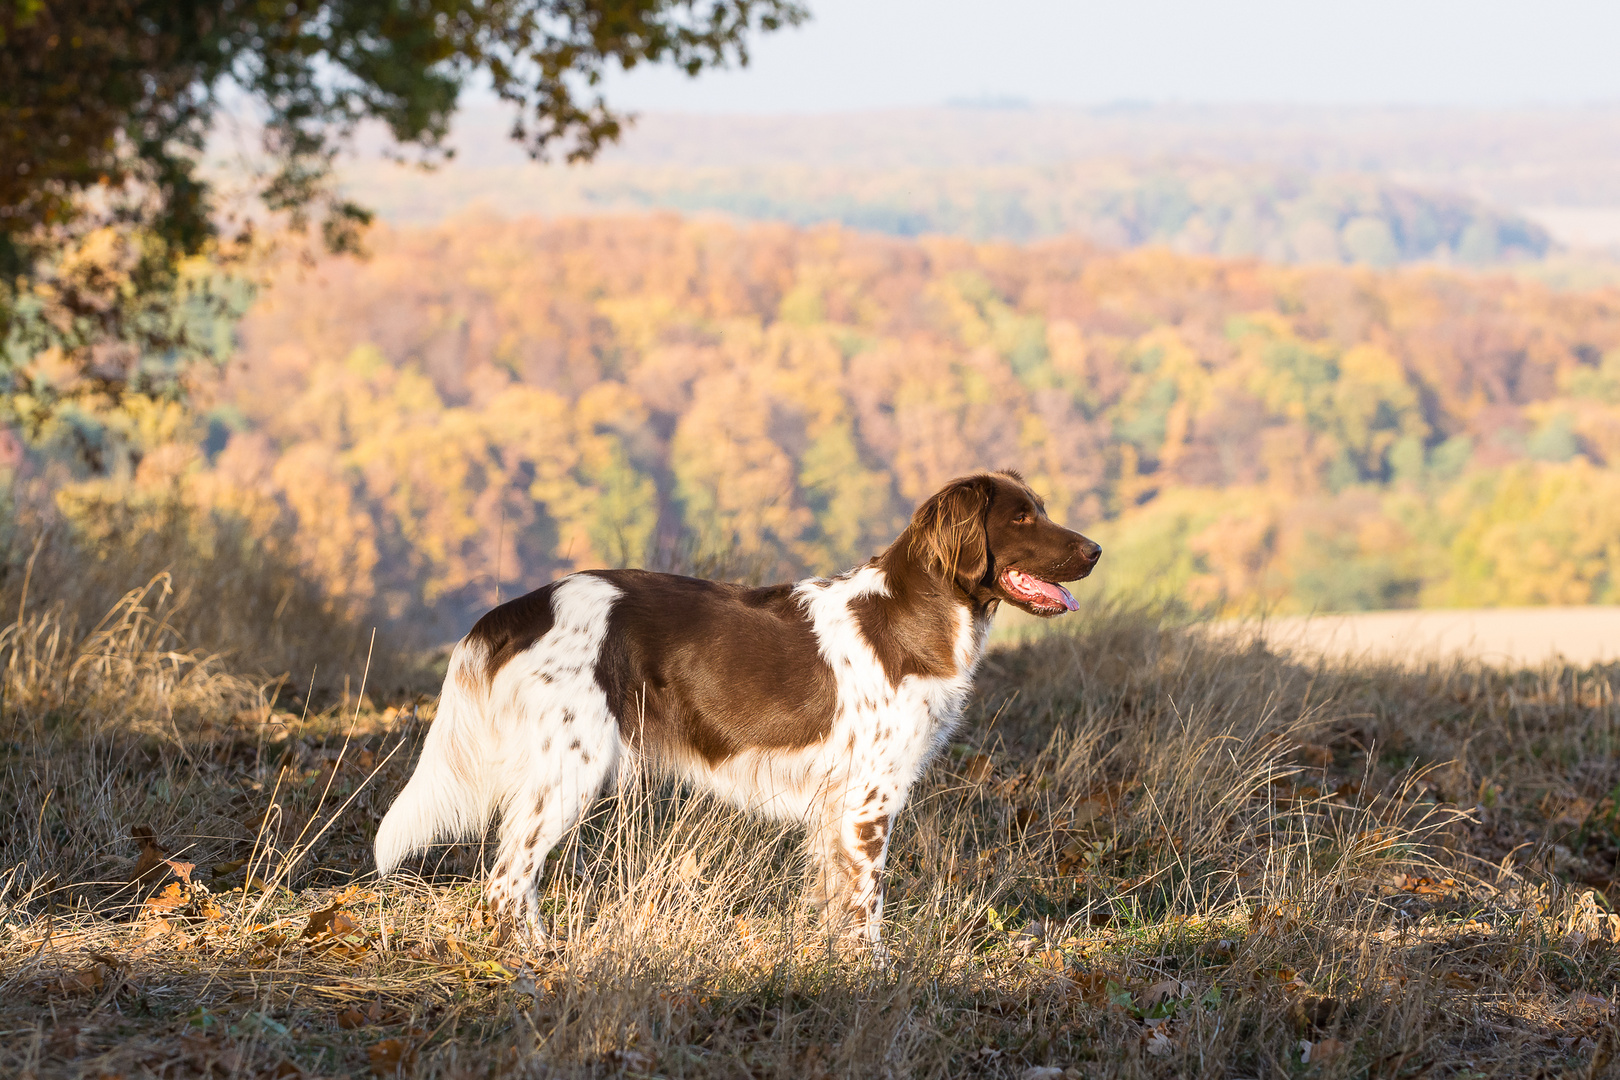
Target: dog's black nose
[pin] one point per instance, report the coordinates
(1091, 550)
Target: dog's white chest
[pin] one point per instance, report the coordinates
(884, 726)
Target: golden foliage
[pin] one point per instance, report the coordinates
(488, 403)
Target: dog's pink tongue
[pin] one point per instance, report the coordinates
(1055, 591)
(1050, 590)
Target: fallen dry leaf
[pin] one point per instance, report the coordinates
(331, 921)
(389, 1056)
(1424, 886)
(1274, 922)
(172, 898)
(151, 857)
(207, 1054)
(1583, 999)
(1159, 991)
(978, 768)
(1087, 813)
(1317, 1013)
(84, 981)
(1320, 1052)
(689, 870)
(351, 1018)
(1052, 959)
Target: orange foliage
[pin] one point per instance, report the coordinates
(511, 399)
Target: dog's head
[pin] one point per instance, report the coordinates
(990, 537)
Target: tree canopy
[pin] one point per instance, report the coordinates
(105, 107)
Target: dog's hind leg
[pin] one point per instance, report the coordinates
(564, 775)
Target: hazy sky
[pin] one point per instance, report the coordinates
(857, 54)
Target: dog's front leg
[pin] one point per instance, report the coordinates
(850, 849)
(867, 856)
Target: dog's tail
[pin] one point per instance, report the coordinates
(453, 792)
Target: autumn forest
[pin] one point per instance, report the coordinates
(484, 404)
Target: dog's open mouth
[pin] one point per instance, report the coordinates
(1044, 596)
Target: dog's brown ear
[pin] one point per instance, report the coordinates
(948, 531)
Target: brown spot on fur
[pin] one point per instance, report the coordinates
(574, 745)
(871, 837)
(513, 627)
(713, 668)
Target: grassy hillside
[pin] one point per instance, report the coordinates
(1147, 855)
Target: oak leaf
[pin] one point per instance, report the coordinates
(172, 898)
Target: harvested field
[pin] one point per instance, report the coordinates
(1151, 852)
(1502, 637)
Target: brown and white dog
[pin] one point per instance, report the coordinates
(820, 701)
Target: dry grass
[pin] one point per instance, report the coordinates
(1150, 854)
(204, 585)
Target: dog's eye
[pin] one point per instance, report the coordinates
(1024, 518)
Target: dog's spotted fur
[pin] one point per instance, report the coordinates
(820, 702)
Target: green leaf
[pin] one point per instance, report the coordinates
(1118, 995)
